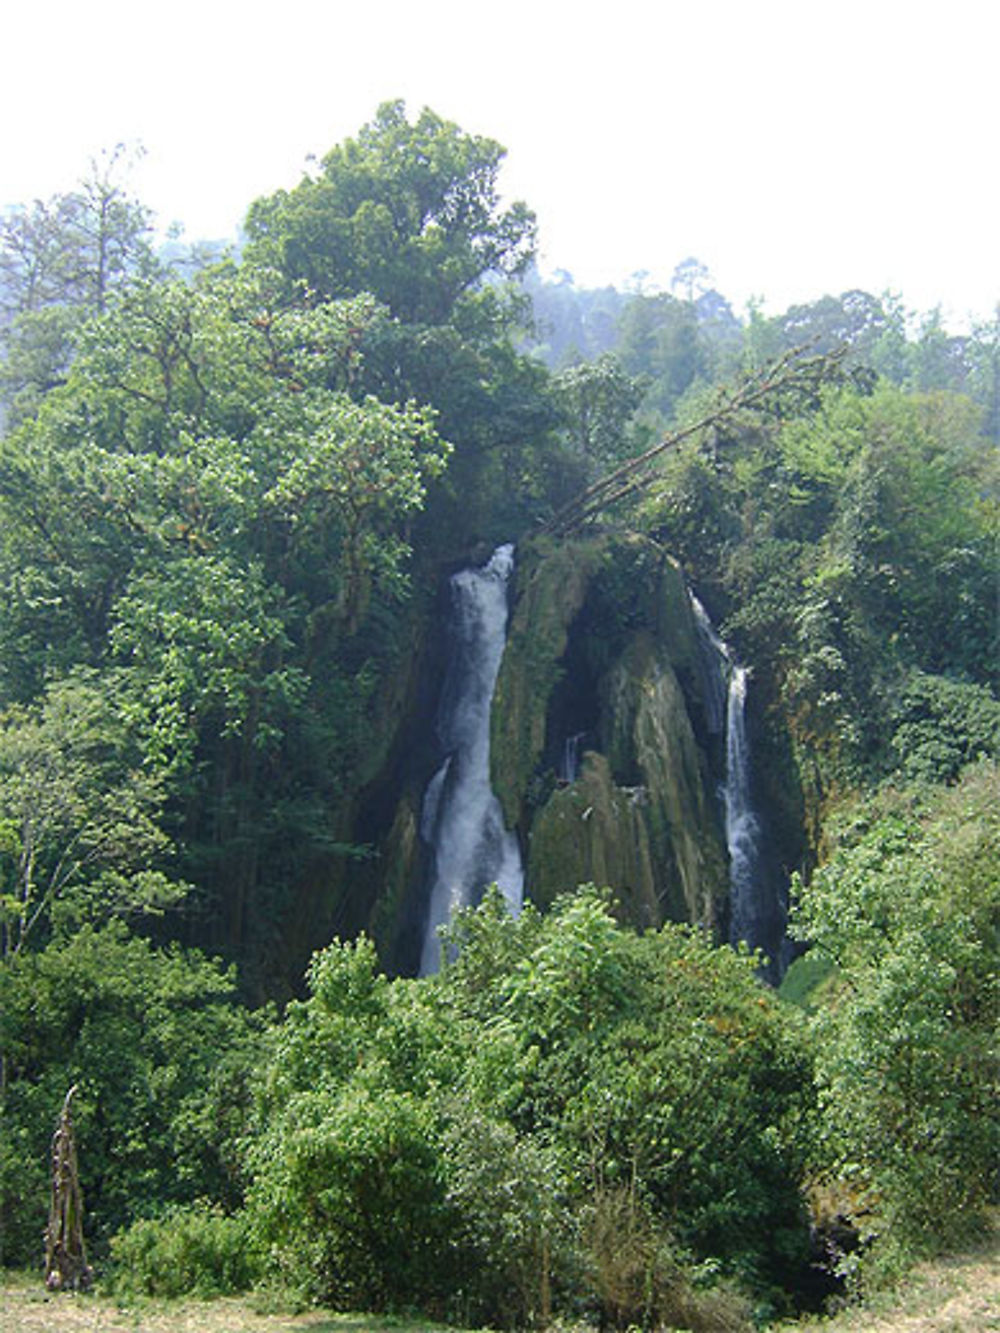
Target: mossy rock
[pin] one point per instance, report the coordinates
(650, 739)
(551, 583)
(620, 584)
(400, 855)
(602, 629)
(593, 831)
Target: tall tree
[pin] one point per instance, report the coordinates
(408, 212)
(60, 260)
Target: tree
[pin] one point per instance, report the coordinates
(599, 401)
(690, 278)
(984, 373)
(660, 339)
(78, 818)
(215, 511)
(160, 1054)
(60, 261)
(408, 212)
(411, 213)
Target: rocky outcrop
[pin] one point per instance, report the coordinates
(602, 662)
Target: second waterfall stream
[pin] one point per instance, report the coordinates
(725, 709)
(461, 820)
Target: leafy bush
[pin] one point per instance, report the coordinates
(190, 1251)
(907, 907)
(940, 725)
(445, 1143)
(349, 1205)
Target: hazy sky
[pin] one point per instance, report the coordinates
(796, 147)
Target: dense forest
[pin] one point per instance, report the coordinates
(234, 486)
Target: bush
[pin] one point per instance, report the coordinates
(907, 907)
(942, 725)
(442, 1143)
(189, 1251)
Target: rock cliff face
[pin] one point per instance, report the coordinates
(601, 756)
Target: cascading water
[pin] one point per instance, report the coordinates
(461, 819)
(725, 692)
(716, 664)
(742, 828)
(569, 767)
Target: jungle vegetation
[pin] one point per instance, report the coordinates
(230, 488)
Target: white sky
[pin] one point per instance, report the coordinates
(796, 147)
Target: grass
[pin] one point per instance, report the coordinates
(26, 1307)
(954, 1294)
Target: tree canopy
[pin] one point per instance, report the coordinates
(407, 211)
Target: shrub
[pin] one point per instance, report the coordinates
(641, 1277)
(907, 907)
(189, 1251)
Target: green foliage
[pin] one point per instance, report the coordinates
(346, 1161)
(354, 1173)
(193, 1250)
(160, 1052)
(907, 909)
(409, 212)
(661, 341)
(80, 838)
(852, 540)
(941, 725)
(208, 516)
(59, 261)
(446, 1141)
(598, 400)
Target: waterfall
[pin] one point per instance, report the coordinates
(742, 828)
(569, 768)
(461, 820)
(716, 663)
(724, 690)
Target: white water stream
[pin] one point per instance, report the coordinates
(461, 820)
(725, 688)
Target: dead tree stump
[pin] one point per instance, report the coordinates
(66, 1267)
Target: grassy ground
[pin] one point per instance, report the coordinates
(25, 1307)
(955, 1295)
(960, 1294)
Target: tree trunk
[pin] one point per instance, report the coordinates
(66, 1267)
